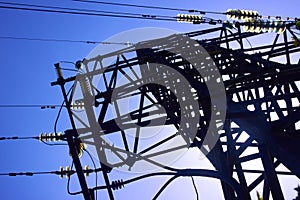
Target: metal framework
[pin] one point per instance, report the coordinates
(262, 91)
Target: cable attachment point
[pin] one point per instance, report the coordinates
(79, 64)
(79, 147)
(118, 184)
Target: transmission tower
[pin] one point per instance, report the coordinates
(261, 86)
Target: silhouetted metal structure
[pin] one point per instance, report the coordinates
(262, 107)
(263, 100)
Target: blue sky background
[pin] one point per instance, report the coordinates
(27, 70)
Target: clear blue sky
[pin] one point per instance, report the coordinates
(27, 70)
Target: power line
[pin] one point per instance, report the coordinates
(78, 9)
(132, 5)
(148, 7)
(29, 173)
(96, 175)
(63, 40)
(65, 10)
(60, 172)
(75, 11)
(87, 172)
(173, 9)
(30, 106)
(62, 10)
(19, 138)
(195, 188)
(42, 137)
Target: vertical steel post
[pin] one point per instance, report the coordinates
(270, 173)
(70, 134)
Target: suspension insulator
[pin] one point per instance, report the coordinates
(85, 85)
(51, 137)
(118, 184)
(258, 26)
(188, 18)
(236, 14)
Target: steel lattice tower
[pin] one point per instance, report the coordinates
(262, 104)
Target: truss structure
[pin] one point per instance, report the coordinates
(261, 121)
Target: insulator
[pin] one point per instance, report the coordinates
(87, 170)
(279, 27)
(61, 169)
(188, 18)
(268, 26)
(85, 85)
(68, 170)
(55, 137)
(59, 135)
(43, 137)
(236, 14)
(52, 137)
(128, 44)
(258, 26)
(77, 105)
(118, 184)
